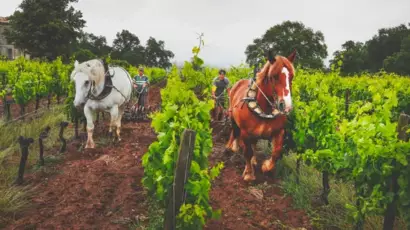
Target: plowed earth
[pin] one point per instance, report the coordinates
(101, 188)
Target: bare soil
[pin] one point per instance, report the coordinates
(101, 188)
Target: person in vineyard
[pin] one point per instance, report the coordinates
(141, 86)
(220, 84)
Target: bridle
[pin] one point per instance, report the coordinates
(254, 106)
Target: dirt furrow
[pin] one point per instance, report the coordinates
(101, 189)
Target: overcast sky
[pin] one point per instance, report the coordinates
(230, 25)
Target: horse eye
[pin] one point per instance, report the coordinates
(86, 83)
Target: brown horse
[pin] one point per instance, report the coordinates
(259, 111)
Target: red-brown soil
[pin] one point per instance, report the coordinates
(260, 205)
(101, 189)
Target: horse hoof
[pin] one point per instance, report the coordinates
(267, 166)
(90, 146)
(249, 178)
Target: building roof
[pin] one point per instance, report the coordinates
(4, 20)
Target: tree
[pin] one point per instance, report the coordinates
(399, 62)
(156, 54)
(45, 28)
(96, 44)
(286, 37)
(83, 55)
(127, 46)
(353, 56)
(386, 43)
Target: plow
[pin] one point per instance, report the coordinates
(221, 122)
(135, 110)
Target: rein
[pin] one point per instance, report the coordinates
(253, 104)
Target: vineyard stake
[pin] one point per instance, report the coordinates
(298, 168)
(326, 187)
(177, 196)
(42, 136)
(390, 214)
(6, 102)
(24, 144)
(22, 111)
(63, 125)
(360, 221)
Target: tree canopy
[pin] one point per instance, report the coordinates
(45, 28)
(284, 38)
(388, 50)
(48, 29)
(353, 57)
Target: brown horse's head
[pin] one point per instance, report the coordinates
(275, 80)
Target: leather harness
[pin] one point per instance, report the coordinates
(108, 86)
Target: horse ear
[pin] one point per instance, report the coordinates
(76, 63)
(271, 57)
(292, 56)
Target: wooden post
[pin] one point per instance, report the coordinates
(390, 214)
(22, 111)
(360, 222)
(177, 196)
(24, 144)
(63, 125)
(42, 136)
(298, 168)
(326, 187)
(37, 103)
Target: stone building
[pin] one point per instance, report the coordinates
(6, 49)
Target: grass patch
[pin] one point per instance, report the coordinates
(306, 195)
(155, 217)
(13, 199)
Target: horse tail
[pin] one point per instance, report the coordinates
(233, 139)
(236, 131)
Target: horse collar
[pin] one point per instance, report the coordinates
(106, 90)
(253, 105)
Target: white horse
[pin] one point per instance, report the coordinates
(98, 89)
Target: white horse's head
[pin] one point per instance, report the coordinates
(86, 76)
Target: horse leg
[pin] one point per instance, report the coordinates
(118, 122)
(90, 128)
(233, 140)
(114, 116)
(277, 142)
(249, 172)
(254, 162)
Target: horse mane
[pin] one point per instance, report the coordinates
(270, 70)
(94, 69)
